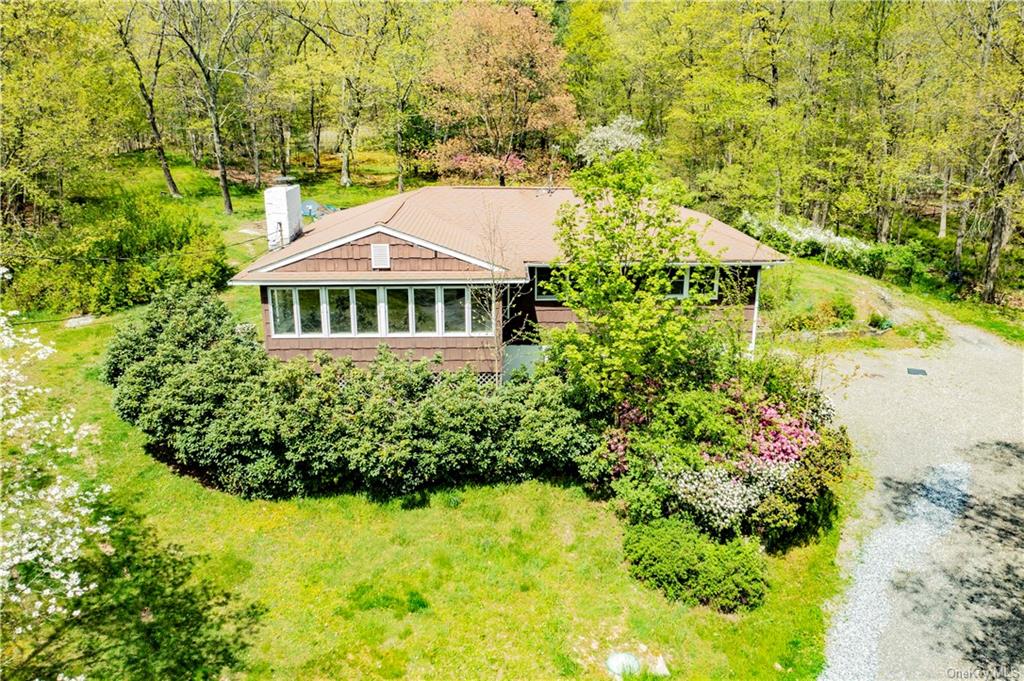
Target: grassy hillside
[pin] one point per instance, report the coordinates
(918, 317)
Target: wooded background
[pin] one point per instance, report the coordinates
(885, 120)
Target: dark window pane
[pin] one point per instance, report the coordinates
(366, 310)
(283, 312)
(425, 300)
(454, 310)
(310, 319)
(542, 275)
(398, 310)
(482, 312)
(340, 312)
(702, 280)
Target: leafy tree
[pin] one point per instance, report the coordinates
(620, 246)
(66, 103)
(498, 79)
(87, 589)
(142, 32)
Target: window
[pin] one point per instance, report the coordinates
(282, 307)
(541, 276)
(339, 310)
(454, 310)
(704, 281)
(310, 313)
(679, 283)
(425, 310)
(481, 318)
(382, 311)
(398, 310)
(366, 311)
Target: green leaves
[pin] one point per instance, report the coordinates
(620, 249)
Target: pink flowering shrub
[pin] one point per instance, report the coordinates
(780, 437)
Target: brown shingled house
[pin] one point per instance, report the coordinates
(430, 271)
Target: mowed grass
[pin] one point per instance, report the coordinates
(519, 581)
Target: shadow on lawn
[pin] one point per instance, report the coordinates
(972, 591)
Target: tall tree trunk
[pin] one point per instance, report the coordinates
(998, 238)
(346, 156)
(945, 202)
(218, 153)
(161, 156)
(254, 135)
(956, 266)
(195, 149)
(314, 130)
(884, 221)
(1002, 225)
(282, 153)
(778, 185)
(398, 156)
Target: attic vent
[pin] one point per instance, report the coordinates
(380, 256)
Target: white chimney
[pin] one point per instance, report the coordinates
(283, 205)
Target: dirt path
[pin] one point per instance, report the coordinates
(937, 585)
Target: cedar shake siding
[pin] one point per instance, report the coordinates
(355, 257)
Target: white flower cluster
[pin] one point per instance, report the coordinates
(604, 141)
(719, 499)
(803, 233)
(47, 520)
(44, 532)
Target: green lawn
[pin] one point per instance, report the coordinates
(917, 314)
(523, 581)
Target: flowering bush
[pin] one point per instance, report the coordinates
(84, 589)
(779, 437)
(796, 237)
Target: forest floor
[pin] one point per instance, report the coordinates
(936, 582)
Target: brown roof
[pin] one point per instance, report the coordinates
(509, 227)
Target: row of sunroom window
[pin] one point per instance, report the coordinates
(382, 311)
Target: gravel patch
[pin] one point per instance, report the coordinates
(83, 320)
(852, 648)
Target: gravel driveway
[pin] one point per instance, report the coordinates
(937, 585)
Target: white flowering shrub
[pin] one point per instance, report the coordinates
(719, 498)
(83, 593)
(46, 520)
(604, 141)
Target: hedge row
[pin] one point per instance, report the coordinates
(214, 404)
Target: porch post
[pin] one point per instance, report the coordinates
(757, 300)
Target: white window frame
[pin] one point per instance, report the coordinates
(325, 295)
(438, 312)
(714, 291)
(295, 319)
(686, 283)
(382, 312)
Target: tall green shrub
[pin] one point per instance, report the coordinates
(675, 557)
(108, 257)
